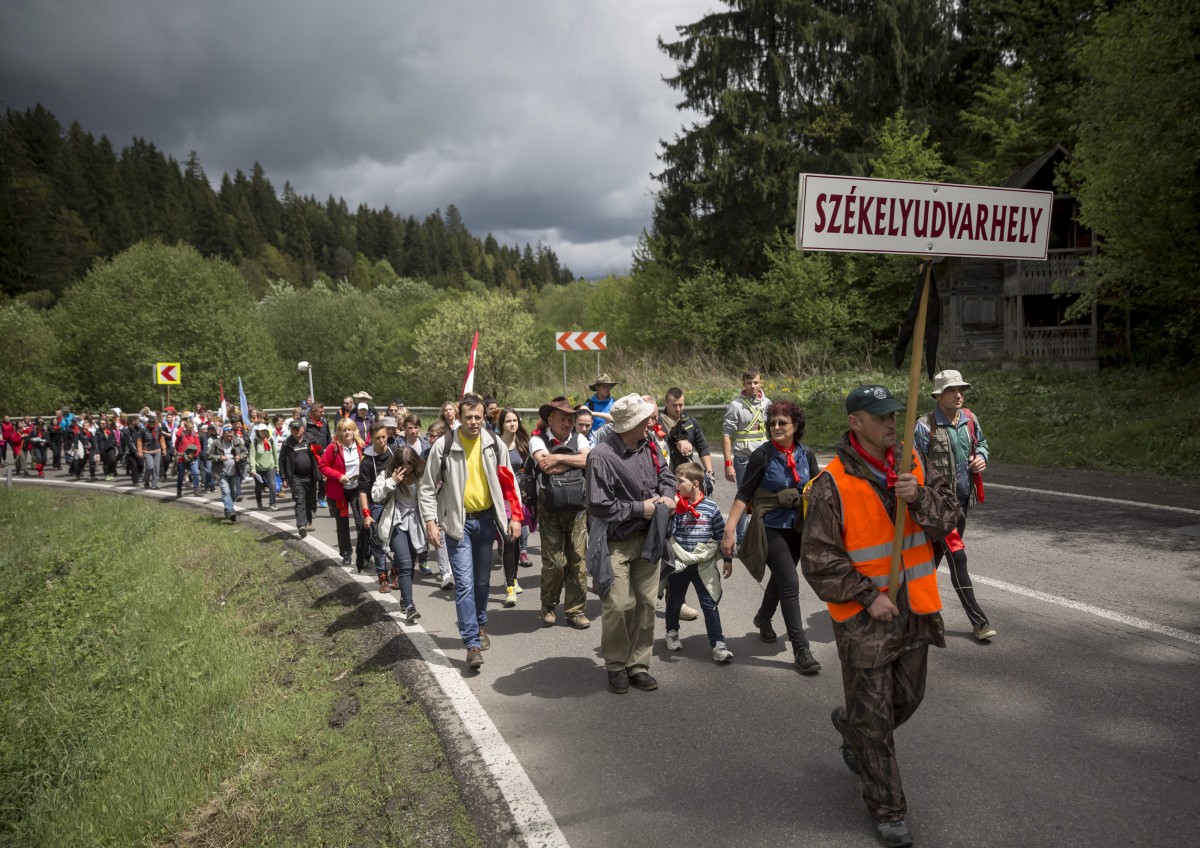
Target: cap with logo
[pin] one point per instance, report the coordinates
(873, 399)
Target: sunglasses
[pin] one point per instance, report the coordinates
(781, 422)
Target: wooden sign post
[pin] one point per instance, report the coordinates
(852, 215)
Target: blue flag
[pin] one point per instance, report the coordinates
(245, 406)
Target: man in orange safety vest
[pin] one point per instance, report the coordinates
(846, 558)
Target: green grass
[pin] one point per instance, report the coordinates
(1119, 419)
(171, 679)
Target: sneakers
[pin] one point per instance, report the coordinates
(411, 616)
(721, 654)
(474, 658)
(984, 631)
(548, 618)
(447, 580)
(423, 569)
(838, 717)
(806, 662)
(517, 587)
(579, 621)
(894, 834)
(232, 516)
(321, 504)
(510, 597)
(765, 631)
(345, 560)
(642, 680)
(673, 641)
(686, 613)
(385, 585)
(524, 561)
(273, 508)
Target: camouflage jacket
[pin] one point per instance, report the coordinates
(862, 641)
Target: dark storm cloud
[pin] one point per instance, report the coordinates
(538, 120)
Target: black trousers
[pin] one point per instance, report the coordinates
(304, 496)
(783, 589)
(960, 578)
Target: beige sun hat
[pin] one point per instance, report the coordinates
(629, 411)
(943, 380)
(603, 379)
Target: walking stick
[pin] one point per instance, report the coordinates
(910, 423)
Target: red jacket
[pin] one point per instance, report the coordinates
(333, 467)
(182, 440)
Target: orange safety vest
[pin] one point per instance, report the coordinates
(867, 534)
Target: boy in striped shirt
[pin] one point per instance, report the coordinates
(695, 538)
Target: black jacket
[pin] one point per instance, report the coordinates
(686, 428)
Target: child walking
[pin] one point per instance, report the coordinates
(695, 537)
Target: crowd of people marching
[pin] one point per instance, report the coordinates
(620, 491)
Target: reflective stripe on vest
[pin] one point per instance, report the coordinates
(867, 534)
(756, 430)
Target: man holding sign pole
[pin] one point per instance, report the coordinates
(872, 514)
(883, 644)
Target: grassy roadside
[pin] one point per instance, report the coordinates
(1120, 419)
(172, 680)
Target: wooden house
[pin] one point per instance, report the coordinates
(1012, 311)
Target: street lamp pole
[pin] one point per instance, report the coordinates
(304, 365)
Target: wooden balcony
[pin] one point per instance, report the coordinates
(1033, 277)
(1057, 344)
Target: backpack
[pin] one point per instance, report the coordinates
(563, 492)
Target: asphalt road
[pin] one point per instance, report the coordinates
(1075, 726)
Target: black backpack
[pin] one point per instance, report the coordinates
(563, 492)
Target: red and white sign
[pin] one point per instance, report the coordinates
(166, 373)
(857, 215)
(583, 340)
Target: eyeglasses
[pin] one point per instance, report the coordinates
(781, 422)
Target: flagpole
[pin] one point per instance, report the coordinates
(910, 424)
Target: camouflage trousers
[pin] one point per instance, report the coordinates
(564, 544)
(878, 700)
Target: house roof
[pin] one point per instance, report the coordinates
(1039, 174)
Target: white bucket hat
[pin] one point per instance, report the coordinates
(943, 380)
(629, 411)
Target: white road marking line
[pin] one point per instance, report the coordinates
(1094, 498)
(532, 817)
(1079, 606)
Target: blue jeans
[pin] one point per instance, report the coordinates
(739, 471)
(471, 564)
(677, 586)
(181, 471)
(227, 492)
(208, 476)
(403, 557)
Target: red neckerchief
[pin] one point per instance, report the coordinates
(790, 453)
(684, 506)
(658, 430)
(888, 469)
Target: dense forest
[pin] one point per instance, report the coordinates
(68, 199)
(945, 90)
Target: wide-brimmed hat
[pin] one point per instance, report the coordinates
(561, 404)
(943, 380)
(603, 379)
(362, 396)
(874, 399)
(629, 411)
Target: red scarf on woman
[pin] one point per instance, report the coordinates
(790, 453)
(887, 467)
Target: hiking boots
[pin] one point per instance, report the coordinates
(765, 631)
(579, 621)
(838, 717)
(642, 680)
(618, 681)
(474, 657)
(806, 662)
(548, 618)
(485, 641)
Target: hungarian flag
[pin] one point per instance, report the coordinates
(223, 409)
(469, 380)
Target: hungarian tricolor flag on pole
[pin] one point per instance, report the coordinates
(469, 380)
(224, 408)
